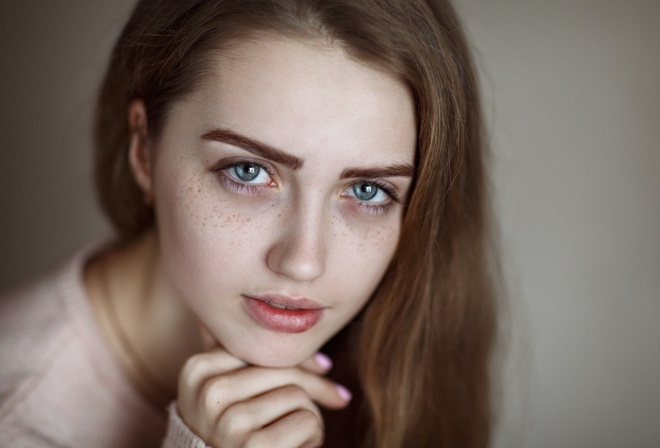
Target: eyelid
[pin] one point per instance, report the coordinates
(222, 170)
(390, 190)
(231, 162)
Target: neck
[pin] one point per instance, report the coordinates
(150, 329)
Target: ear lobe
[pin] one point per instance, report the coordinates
(139, 151)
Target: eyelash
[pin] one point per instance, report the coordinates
(238, 186)
(377, 209)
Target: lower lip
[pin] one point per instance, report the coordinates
(283, 321)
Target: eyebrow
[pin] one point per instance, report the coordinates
(372, 173)
(255, 147)
(295, 163)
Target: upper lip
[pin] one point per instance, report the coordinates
(288, 301)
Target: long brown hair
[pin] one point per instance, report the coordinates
(426, 337)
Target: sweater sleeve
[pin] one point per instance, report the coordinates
(179, 435)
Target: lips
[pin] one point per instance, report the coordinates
(284, 314)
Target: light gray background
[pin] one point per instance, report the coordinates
(573, 96)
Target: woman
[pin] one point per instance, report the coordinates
(278, 172)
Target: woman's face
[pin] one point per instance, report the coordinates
(278, 189)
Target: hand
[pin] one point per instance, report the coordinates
(228, 403)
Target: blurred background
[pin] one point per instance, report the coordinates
(572, 94)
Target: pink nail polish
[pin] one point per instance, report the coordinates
(323, 360)
(344, 393)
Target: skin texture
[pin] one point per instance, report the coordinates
(299, 231)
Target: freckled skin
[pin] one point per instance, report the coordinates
(303, 235)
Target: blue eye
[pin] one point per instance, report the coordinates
(245, 176)
(247, 172)
(366, 191)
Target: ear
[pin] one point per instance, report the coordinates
(139, 151)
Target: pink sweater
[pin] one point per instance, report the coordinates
(59, 383)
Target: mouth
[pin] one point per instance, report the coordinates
(284, 314)
(282, 307)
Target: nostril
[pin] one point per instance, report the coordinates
(296, 259)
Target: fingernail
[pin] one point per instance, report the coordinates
(344, 393)
(323, 360)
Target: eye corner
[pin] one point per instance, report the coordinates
(385, 187)
(232, 173)
(367, 206)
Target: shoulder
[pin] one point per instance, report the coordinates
(34, 323)
(59, 382)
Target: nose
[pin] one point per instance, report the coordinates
(299, 251)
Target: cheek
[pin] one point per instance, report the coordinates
(380, 241)
(205, 234)
(362, 255)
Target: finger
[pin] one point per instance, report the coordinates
(202, 366)
(249, 416)
(240, 385)
(299, 428)
(319, 363)
(197, 371)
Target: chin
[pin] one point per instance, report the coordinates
(270, 357)
(270, 361)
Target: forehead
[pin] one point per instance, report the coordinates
(303, 96)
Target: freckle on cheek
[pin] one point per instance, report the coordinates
(228, 219)
(378, 237)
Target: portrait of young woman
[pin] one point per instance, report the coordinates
(301, 251)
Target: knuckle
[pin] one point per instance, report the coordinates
(213, 393)
(235, 421)
(256, 442)
(308, 418)
(300, 424)
(192, 373)
(196, 366)
(259, 439)
(295, 392)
